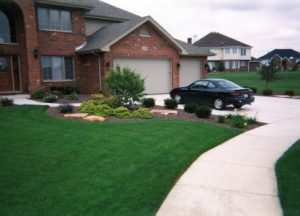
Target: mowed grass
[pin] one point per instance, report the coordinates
(288, 179)
(55, 167)
(286, 80)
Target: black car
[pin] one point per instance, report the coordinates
(214, 92)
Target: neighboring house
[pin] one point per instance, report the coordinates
(254, 64)
(53, 43)
(285, 59)
(234, 54)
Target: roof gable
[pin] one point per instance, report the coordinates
(107, 36)
(282, 53)
(215, 39)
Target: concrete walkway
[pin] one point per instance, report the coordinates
(238, 177)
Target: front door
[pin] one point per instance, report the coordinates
(6, 78)
(9, 74)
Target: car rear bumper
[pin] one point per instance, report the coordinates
(239, 101)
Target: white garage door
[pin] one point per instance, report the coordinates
(190, 71)
(156, 72)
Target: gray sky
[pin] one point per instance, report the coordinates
(263, 24)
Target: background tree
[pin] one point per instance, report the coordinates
(221, 66)
(125, 84)
(268, 73)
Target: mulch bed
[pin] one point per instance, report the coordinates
(64, 99)
(182, 115)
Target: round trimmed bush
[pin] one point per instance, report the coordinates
(203, 111)
(7, 102)
(190, 107)
(50, 98)
(66, 108)
(143, 113)
(171, 103)
(221, 119)
(267, 92)
(289, 92)
(122, 112)
(148, 102)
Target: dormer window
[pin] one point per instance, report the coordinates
(144, 32)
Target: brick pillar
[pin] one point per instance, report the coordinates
(31, 40)
(204, 70)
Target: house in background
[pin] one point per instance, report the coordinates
(234, 54)
(254, 64)
(53, 43)
(285, 59)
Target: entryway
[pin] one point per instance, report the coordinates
(10, 81)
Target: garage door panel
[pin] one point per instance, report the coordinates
(190, 71)
(155, 72)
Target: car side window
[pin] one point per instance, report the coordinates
(210, 85)
(200, 85)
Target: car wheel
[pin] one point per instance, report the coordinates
(178, 97)
(219, 104)
(237, 106)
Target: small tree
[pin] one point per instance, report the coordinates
(268, 73)
(125, 84)
(221, 66)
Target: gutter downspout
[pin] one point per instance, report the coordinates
(99, 71)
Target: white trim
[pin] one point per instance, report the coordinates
(106, 48)
(49, 81)
(12, 73)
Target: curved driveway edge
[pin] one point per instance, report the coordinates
(235, 178)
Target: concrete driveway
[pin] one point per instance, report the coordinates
(265, 109)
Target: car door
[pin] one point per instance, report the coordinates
(197, 92)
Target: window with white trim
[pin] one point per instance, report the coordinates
(243, 63)
(144, 32)
(53, 19)
(234, 64)
(227, 64)
(243, 51)
(57, 68)
(234, 50)
(227, 50)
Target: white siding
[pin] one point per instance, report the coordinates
(222, 55)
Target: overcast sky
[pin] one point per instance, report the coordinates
(263, 24)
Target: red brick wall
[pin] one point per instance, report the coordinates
(131, 46)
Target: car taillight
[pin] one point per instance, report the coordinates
(236, 94)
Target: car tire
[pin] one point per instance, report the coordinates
(178, 97)
(237, 106)
(219, 104)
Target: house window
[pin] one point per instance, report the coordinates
(3, 65)
(234, 50)
(144, 32)
(227, 64)
(8, 32)
(234, 64)
(227, 50)
(57, 68)
(243, 51)
(243, 63)
(53, 19)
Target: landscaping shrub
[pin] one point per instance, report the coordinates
(171, 103)
(238, 121)
(39, 93)
(122, 112)
(289, 92)
(203, 111)
(221, 119)
(71, 89)
(73, 96)
(125, 84)
(59, 94)
(253, 89)
(143, 113)
(148, 102)
(97, 96)
(7, 102)
(251, 120)
(112, 101)
(66, 108)
(89, 106)
(267, 92)
(103, 110)
(50, 98)
(190, 107)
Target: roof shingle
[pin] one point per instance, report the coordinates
(283, 53)
(215, 39)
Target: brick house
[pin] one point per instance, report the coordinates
(285, 59)
(234, 54)
(54, 43)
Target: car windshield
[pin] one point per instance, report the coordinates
(227, 84)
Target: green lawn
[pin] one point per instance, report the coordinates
(288, 178)
(286, 80)
(56, 167)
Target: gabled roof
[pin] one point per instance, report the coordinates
(282, 53)
(193, 50)
(102, 39)
(215, 39)
(94, 9)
